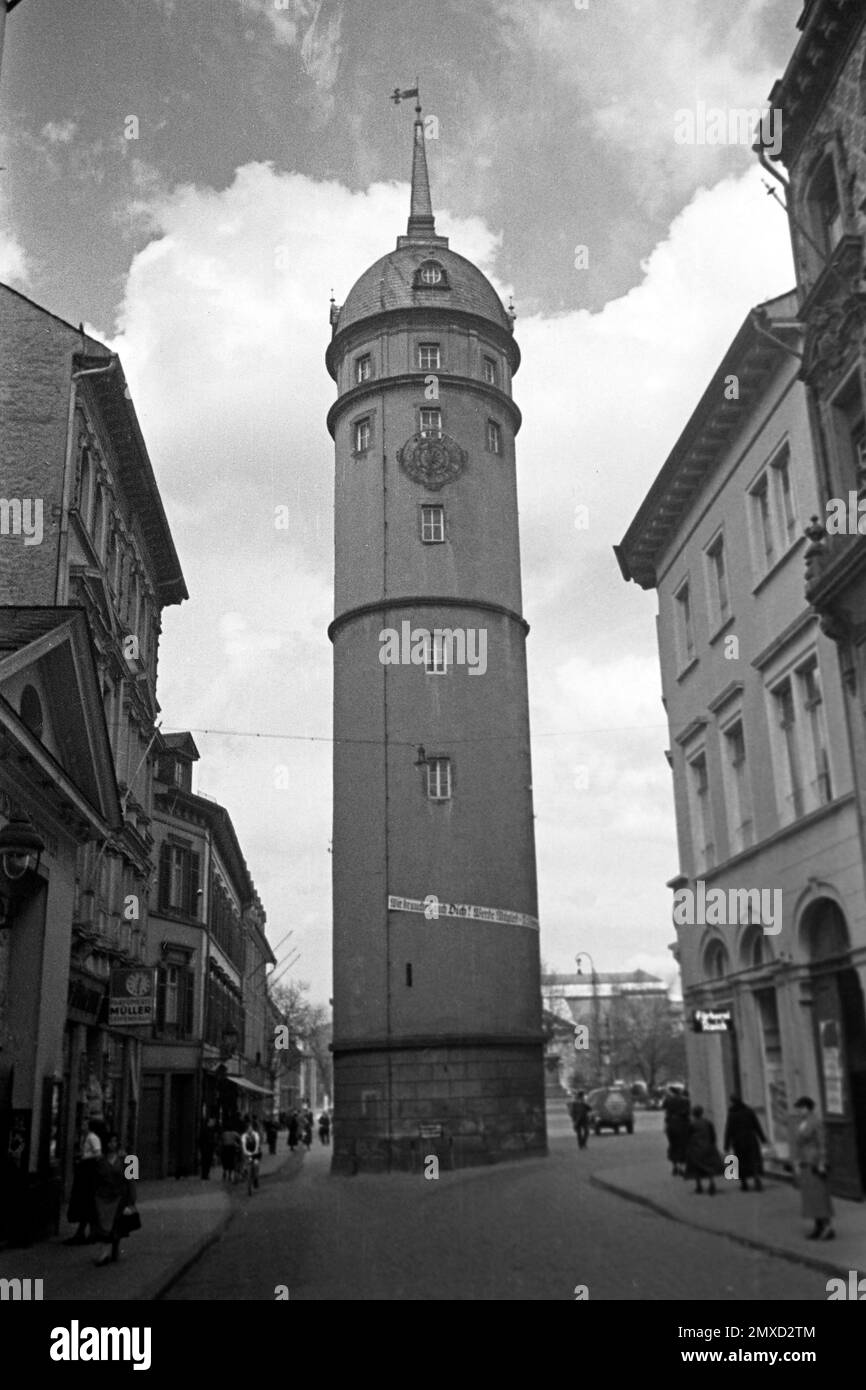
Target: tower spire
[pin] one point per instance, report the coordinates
(422, 224)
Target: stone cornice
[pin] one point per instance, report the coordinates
(423, 601)
(447, 381)
(415, 316)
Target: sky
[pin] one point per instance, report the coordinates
(192, 179)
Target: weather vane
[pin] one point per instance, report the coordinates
(397, 96)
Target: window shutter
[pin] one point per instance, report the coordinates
(185, 1019)
(164, 874)
(192, 881)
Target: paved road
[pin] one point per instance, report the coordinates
(528, 1230)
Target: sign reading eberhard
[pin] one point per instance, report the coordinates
(433, 909)
(132, 1000)
(711, 1020)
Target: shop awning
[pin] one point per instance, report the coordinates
(248, 1085)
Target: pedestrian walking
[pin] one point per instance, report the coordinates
(810, 1149)
(251, 1146)
(206, 1146)
(744, 1136)
(703, 1159)
(81, 1207)
(230, 1144)
(580, 1112)
(293, 1130)
(324, 1128)
(308, 1127)
(676, 1109)
(271, 1135)
(113, 1193)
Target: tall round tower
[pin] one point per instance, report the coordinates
(438, 1045)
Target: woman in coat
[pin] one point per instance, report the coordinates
(703, 1159)
(744, 1135)
(811, 1156)
(112, 1192)
(676, 1108)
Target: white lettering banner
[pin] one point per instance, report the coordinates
(434, 910)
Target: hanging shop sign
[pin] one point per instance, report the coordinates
(435, 911)
(711, 1020)
(132, 1001)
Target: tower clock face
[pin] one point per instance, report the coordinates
(432, 461)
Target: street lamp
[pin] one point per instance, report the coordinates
(20, 847)
(20, 852)
(596, 1011)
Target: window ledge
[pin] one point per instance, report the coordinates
(689, 666)
(795, 546)
(725, 626)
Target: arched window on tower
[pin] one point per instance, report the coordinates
(431, 275)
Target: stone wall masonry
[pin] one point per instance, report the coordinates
(35, 377)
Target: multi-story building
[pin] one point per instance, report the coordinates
(769, 901)
(212, 1042)
(629, 1025)
(437, 1003)
(83, 527)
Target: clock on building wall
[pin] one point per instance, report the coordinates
(432, 460)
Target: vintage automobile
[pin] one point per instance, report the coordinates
(612, 1108)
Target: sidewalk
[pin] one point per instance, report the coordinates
(180, 1217)
(768, 1220)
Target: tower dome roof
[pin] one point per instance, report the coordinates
(415, 276)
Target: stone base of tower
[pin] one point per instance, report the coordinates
(467, 1105)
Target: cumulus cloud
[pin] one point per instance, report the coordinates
(14, 265)
(223, 331)
(59, 132)
(679, 53)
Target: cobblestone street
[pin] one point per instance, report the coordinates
(531, 1230)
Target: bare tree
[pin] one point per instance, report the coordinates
(647, 1039)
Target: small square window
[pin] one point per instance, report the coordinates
(431, 422)
(490, 371)
(363, 368)
(436, 655)
(494, 437)
(428, 356)
(439, 779)
(362, 435)
(432, 524)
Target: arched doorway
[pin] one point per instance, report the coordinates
(840, 1044)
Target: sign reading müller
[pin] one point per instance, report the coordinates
(711, 1020)
(132, 1000)
(434, 910)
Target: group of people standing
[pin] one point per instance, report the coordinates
(102, 1199)
(694, 1153)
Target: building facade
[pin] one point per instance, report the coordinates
(622, 1026)
(769, 901)
(437, 1005)
(83, 527)
(210, 1050)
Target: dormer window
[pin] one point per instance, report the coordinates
(431, 275)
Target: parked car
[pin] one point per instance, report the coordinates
(612, 1108)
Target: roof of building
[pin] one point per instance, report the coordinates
(768, 335)
(604, 977)
(391, 282)
(828, 30)
(110, 393)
